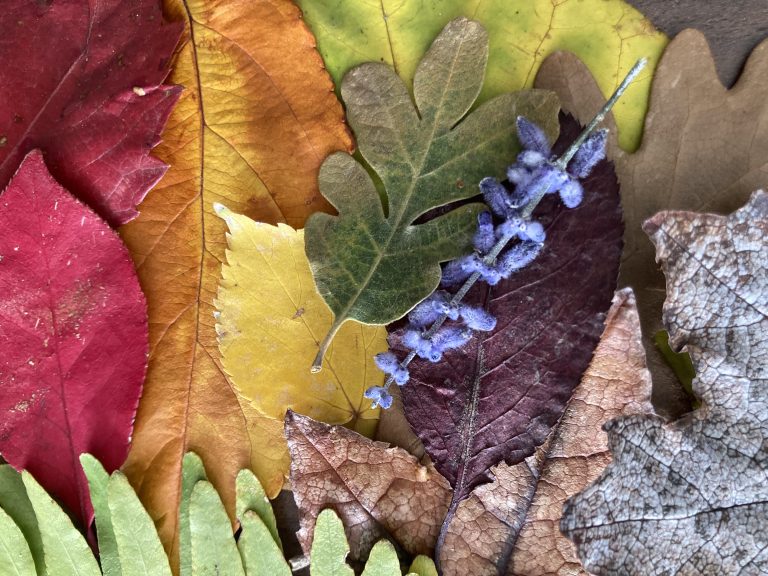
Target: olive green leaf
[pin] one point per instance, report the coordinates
(372, 263)
(251, 497)
(214, 551)
(15, 503)
(15, 557)
(329, 547)
(422, 566)
(259, 552)
(192, 472)
(382, 561)
(98, 484)
(65, 551)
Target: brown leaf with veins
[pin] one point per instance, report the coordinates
(377, 491)
(691, 497)
(511, 525)
(257, 117)
(705, 148)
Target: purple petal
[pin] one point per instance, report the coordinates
(532, 137)
(571, 193)
(589, 154)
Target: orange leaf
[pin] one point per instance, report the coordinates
(257, 118)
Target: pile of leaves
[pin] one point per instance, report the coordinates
(203, 200)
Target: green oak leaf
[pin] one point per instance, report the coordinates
(214, 551)
(382, 560)
(16, 504)
(15, 557)
(372, 263)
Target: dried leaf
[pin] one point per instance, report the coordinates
(81, 81)
(732, 34)
(256, 120)
(497, 398)
(374, 266)
(704, 148)
(689, 497)
(510, 526)
(269, 318)
(609, 35)
(378, 491)
(73, 336)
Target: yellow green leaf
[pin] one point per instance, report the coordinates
(251, 498)
(608, 35)
(270, 318)
(259, 552)
(214, 552)
(257, 117)
(15, 557)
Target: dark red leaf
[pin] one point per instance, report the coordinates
(498, 398)
(80, 80)
(73, 336)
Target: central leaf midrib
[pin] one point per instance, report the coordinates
(408, 196)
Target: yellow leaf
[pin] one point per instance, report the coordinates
(270, 318)
(256, 119)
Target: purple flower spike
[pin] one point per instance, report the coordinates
(495, 195)
(484, 237)
(380, 396)
(517, 257)
(571, 193)
(517, 174)
(532, 137)
(401, 376)
(477, 318)
(546, 179)
(425, 313)
(423, 348)
(589, 154)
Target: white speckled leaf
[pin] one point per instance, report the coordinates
(691, 497)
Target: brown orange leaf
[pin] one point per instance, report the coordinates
(257, 118)
(377, 491)
(511, 525)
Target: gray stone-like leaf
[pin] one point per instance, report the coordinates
(691, 497)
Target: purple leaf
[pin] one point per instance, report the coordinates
(497, 398)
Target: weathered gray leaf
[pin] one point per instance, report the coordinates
(691, 497)
(372, 262)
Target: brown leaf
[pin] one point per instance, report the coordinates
(377, 491)
(705, 148)
(689, 498)
(511, 525)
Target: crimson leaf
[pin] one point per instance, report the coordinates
(73, 336)
(81, 80)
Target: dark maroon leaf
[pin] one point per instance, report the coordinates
(81, 80)
(498, 398)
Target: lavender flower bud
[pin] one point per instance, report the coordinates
(424, 314)
(484, 237)
(477, 318)
(589, 154)
(532, 137)
(545, 180)
(571, 193)
(495, 195)
(531, 158)
(456, 271)
(413, 340)
(517, 174)
(401, 376)
(450, 337)
(387, 362)
(517, 257)
(532, 231)
(380, 396)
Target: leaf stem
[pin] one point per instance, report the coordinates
(562, 164)
(317, 364)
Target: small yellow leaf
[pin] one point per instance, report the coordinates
(270, 318)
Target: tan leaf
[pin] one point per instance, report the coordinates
(705, 148)
(377, 491)
(511, 525)
(257, 118)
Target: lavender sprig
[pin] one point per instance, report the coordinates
(535, 174)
